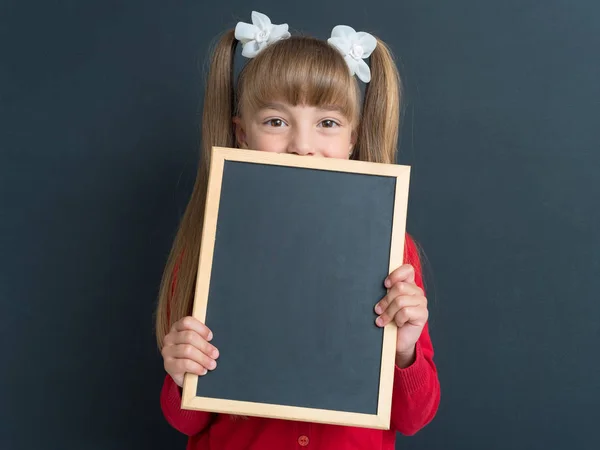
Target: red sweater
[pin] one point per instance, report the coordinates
(415, 400)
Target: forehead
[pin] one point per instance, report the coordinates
(299, 72)
(347, 108)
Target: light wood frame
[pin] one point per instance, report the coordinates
(190, 400)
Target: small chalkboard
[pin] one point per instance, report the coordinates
(293, 257)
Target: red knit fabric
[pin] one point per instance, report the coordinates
(415, 400)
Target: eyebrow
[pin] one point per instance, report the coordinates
(277, 106)
(331, 108)
(282, 107)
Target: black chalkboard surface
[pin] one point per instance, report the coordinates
(293, 258)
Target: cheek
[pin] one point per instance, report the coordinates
(267, 144)
(339, 147)
(263, 141)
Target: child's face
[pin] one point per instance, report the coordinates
(301, 130)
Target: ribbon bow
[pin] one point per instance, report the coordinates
(255, 37)
(355, 47)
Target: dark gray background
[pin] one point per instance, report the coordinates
(99, 118)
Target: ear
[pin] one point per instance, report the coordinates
(240, 133)
(353, 138)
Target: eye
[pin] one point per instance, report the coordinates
(277, 123)
(329, 123)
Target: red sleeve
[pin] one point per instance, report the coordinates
(186, 421)
(416, 394)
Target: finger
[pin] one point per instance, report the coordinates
(397, 290)
(191, 323)
(396, 305)
(405, 272)
(186, 351)
(192, 338)
(177, 367)
(413, 315)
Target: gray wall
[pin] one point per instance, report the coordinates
(99, 112)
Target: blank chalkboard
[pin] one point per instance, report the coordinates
(293, 258)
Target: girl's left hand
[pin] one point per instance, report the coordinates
(406, 305)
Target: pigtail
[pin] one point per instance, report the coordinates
(377, 138)
(176, 294)
(217, 127)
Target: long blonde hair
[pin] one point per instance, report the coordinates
(297, 70)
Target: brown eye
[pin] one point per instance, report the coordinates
(328, 123)
(275, 122)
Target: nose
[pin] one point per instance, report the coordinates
(301, 144)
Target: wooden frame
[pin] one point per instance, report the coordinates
(219, 156)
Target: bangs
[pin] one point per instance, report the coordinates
(299, 71)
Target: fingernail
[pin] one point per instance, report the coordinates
(204, 372)
(210, 336)
(379, 321)
(378, 309)
(387, 283)
(215, 353)
(213, 364)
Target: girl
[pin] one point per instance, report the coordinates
(297, 95)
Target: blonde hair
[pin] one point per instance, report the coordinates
(297, 70)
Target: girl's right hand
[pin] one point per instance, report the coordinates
(186, 349)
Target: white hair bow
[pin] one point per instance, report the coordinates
(355, 47)
(259, 34)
